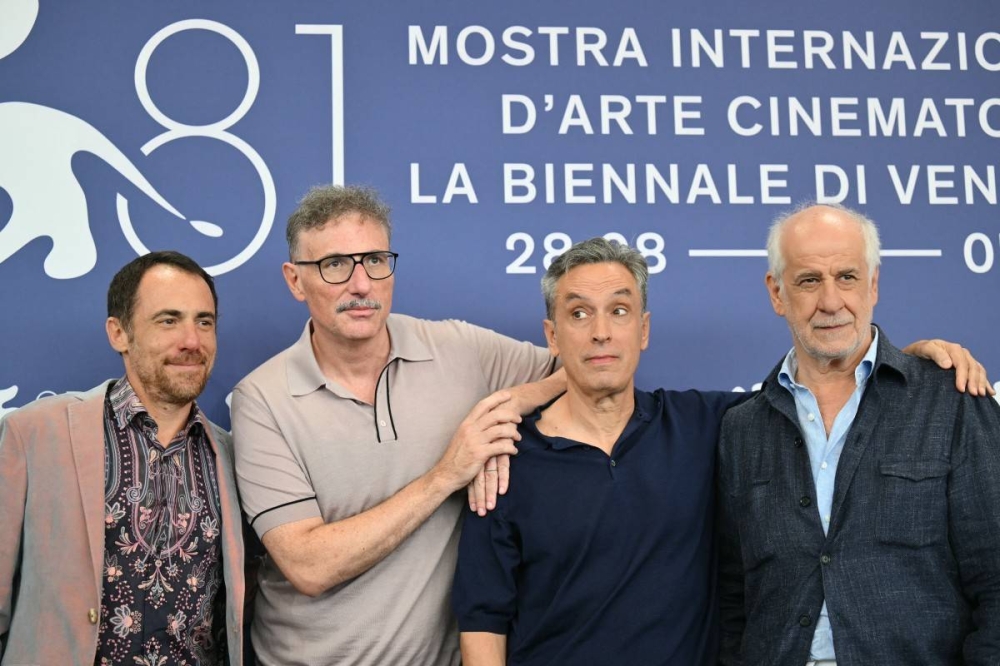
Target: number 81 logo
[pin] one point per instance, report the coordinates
(218, 130)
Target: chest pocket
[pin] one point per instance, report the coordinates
(758, 523)
(913, 502)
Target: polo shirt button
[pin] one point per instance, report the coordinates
(805, 620)
(804, 501)
(382, 423)
(824, 558)
(613, 463)
(798, 442)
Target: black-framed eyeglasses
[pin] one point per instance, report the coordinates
(338, 268)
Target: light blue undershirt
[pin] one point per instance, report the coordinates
(824, 454)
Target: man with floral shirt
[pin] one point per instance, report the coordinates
(122, 531)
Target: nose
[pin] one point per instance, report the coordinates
(359, 283)
(830, 298)
(601, 331)
(190, 338)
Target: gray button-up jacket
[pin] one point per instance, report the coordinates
(910, 567)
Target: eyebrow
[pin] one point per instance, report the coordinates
(351, 254)
(814, 273)
(178, 314)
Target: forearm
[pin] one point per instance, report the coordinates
(480, 648)
(316, 556)
(528, 397)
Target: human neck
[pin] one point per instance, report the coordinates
(354, 364)
(831, 381)
(596, 419)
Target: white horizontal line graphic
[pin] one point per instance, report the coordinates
(763, 253)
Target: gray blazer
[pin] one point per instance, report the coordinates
(910, 569)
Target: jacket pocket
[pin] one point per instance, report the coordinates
(757, 522)
(913, 502)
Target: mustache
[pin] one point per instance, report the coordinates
(359, 303)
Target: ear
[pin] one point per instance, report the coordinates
(116, 335)
(645, 331)
(875, 287)
(291, 273)
(774, 291)
(550, 336)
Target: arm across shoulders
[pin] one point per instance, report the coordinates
(505, 361)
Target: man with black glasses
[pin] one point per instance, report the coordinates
(352, 444)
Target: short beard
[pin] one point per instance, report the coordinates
(160, 386)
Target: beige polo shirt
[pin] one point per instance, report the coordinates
(307, 447)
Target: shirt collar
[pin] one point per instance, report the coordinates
(126, 407)
(645, 406)
(305, 376)
(790, 366)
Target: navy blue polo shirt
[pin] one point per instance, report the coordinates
(598, 559)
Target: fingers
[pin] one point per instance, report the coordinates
(492, 483)
(495, 417)
(488, 404)
(480, 483)
(497, 479)
(492, 480)
(961, 374)
(500, 447)
(945, 354)
(489, 430)
(502, 431)
(970, 375)
(979, 383)
(470, 490)
(503, 474)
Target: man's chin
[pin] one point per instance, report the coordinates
(182, 391)
(830, 352)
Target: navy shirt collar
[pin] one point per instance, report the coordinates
(645, 407)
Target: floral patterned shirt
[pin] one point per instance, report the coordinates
(162, 552)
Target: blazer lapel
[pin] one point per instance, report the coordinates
(854, 448)
(86, 432)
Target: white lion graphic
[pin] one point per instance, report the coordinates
(37, 144)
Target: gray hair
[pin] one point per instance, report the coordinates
(594, 251)
(325, 203)
(869, 235)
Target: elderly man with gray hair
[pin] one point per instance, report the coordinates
(859, 503)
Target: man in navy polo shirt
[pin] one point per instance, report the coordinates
(601, 551)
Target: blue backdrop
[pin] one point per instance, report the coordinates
(499, 133)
